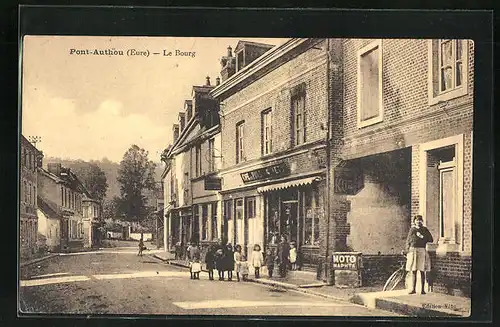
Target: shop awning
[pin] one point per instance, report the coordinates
(281, 186)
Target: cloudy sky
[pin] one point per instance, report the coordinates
(89, 107)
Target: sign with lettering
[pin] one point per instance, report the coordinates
(346, 260)
(348, 181)
(274, 171)
(213, 183)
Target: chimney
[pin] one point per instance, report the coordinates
(54, 168)
(182, 121)
(228, 64)
(176, 132)
(208, 81)
(188, 104)
(217, 81)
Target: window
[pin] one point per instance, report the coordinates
(240, 60)
(266, 132)
(30, 201)
(211, 155)
(228, 209)
(24, 157)
(198, 160)
(299, 115)
(250, 207)
(447, 69)
(239, 209)
(62, 196)
(204, 222)
(25, 191)
(370, 109)
(311, 221)
(34, 195)
(215, 233)
(240, 148)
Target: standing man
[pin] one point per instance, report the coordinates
(283, 256)
(418, 257)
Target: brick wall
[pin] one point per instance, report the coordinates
(451, 273)
(408, 117)
(410, 120)
(378, 268)
(273, 91)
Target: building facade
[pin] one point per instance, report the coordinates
(406, 133)
(60, 198)
(190, 182)
(30, 161)
(91, 220)
(274, 173)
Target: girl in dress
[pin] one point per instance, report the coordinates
(237, 260)
(293, 255)
(257, 260)
(417, 257)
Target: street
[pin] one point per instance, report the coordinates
(117, 281)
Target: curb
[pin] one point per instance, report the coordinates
(23, 264)
(299, 289)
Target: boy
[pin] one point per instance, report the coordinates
(270, 259)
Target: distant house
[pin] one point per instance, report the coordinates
(60, 195)
(92, 220)
(30, 161)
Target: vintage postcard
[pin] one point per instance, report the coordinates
(246, 176)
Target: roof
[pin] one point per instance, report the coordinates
(242, 43)
(27, 143)
(49, 208)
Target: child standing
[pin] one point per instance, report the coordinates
(270, 259)
(293, 255)
(257, 260)
(210, 262)
(195, 269)
(244, 268)
(237, 260)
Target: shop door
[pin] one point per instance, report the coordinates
(288, 221)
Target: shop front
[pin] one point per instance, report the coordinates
(295, 209)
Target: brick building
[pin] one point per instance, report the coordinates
(276, 109)
(30, 161)
(60, 202)
(190, 183)
(405, 130)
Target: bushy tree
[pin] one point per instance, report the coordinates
(136, 176)
(92, 177)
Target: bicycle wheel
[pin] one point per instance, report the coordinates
(394, 280)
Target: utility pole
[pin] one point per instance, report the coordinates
(328, 164)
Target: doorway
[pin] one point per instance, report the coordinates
(288, 219)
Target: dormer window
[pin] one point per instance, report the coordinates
(240, 60)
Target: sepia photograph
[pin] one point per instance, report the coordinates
(243, 176)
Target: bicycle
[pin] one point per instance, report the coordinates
(397, 276)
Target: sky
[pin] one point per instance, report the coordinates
(89, 107)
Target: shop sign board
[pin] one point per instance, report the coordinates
(274, 171)
(346, 260)
(213, 183)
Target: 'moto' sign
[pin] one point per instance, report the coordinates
(346, 260)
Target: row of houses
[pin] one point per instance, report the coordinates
(335, 143)
(57, 213)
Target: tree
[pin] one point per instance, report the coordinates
(92, 177)
(135, 175)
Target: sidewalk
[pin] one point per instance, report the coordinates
(399, 301)
(36, 260)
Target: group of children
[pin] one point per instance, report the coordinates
(224, 259)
